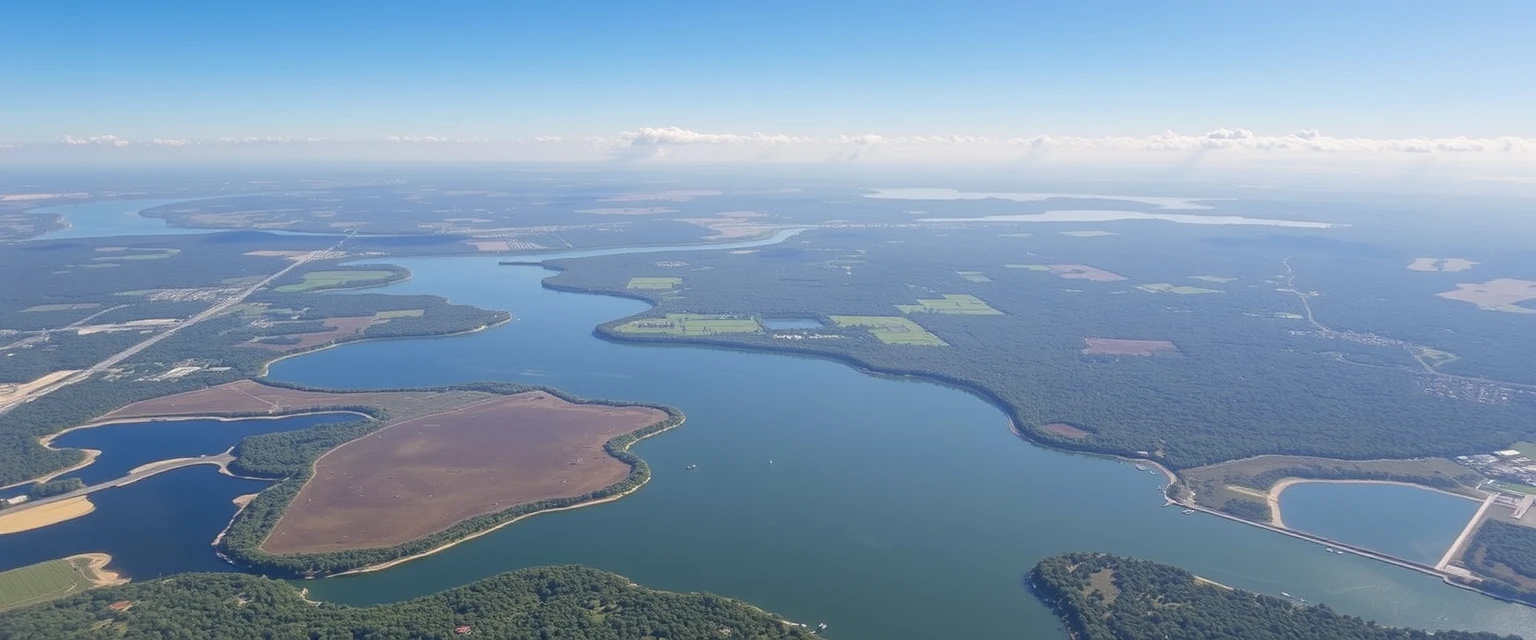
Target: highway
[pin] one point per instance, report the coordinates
(218, 307)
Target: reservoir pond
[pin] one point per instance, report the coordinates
(1407, 522)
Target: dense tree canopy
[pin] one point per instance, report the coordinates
(1103, 597)
(566, 602)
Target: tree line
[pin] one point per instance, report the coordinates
(1151, 601)
(566, 602)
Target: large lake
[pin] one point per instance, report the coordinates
(891, 509)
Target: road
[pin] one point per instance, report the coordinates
(1461, 540)
(218, 308)
(221, 460)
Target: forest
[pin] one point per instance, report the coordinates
(1504, 555)
(1104, 597)
(1249, 375)
(290, 455)
(565, 602)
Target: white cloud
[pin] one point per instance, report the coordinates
(107, 140)
(171, 142)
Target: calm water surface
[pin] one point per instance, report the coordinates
(891, 509)
(1407, 522)
(157, 526)
(126, 445)
(113, 218)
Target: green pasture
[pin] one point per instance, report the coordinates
(654, 283)
(1164, 287)
(892, 330)
(60, 307)
(332, 279)
(40, 583)
(1031, 267)
(952, 303)
(1216, 279)
(398, 313)
(690, 324)
(973, 276)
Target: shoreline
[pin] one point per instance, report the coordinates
(99, 574)
(590, 503)
(1272, 497)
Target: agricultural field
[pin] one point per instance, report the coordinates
(52, 580)
(691, 324)
(1181, 289)
(315, 280)
(420, 476)
(1072, 271)
(1117, 347)
(43, 308)
(1216, 279)
(660, 284)
(952, 303)
(1502, 294)
(892, 330)
(1251, 478)
(973, 276)
(134, 253)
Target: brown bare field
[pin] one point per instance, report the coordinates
(1114, 346)
(490, 245)
(341, 328)
(1084, 272)
(1502, 294)
(1064, 429)
(27, 518)
(249, 396)
(420, 476)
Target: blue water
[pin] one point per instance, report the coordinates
(1407, 522)
(126, 445)
(160, 525)
(113, 218)
(882, 496)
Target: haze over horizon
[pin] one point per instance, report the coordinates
(1414, 88)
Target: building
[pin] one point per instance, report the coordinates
(1507, 453)
(11, 502)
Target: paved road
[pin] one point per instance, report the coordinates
(1461, 540)
(220, 460)
(219, 307)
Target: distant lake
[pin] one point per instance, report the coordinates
(113, 218)
(126, 445)
(926, 193)
(1098, 215)
(1408, 522)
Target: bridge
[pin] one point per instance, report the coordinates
(220, 460)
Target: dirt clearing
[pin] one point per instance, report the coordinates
(1117, 347)
(1503, 294)
(420, 476)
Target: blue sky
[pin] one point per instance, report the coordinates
(339, 70)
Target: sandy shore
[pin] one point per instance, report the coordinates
(1273, 496)
(96, 571)
(45, 515)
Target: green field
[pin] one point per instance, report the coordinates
(146, 254)
(1527, 449)
(654, 283)
(1031, 267)
(60, 307)
(331, 279)
(690, 324)
(892, 329)
(1218, 279)
(973, 276)
(399, 313)
(1163, 287)
(41, 582)
(952, 303)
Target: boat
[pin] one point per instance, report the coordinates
(1285, 594)
(692, 466)
(1188, 511)
(1329, 549)
(1141, 467)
